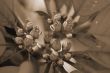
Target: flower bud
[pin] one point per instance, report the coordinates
(69, 35)
(48, 36)
(55, 44)
(29, 26)
(35, 48)
(49, 21)
(35, 32)
(66, 45)
(20, 32)
(68, 26)
(29, 37)
(60, 62)
(57, 17)
(53, 57)
(56, 26)
(28, 41)
(20, 46)
(54, 52)
(19, 40)
(45, 56)
(68, 56)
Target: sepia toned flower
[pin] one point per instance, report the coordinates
(54, 36)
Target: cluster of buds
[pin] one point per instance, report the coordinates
(26, 37)
(68, 26)
(59, 51)
(56, 51)
(55, 23)
(58, 24)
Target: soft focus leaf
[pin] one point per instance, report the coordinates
(9, 69)
(47, 69)
(2, 41)
(78, 4)
(26, 67)
(88, 65)
(69, 68)
(6, 55)
(77, 45)
(101, 58)
(61, 69)
(52, 70)
(62, 6)
(91, 6)
(100, 27)
(17, 59)
(6, 13)
(41, 67)
(64, 2)
(44, 67)
(76, 71)
(35, 5)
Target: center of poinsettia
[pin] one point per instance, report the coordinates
(57, 51)
(54, 49)
(26, 38)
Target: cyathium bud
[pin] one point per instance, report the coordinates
(55, 44)
(19, 40)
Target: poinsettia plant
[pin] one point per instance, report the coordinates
(52, 36)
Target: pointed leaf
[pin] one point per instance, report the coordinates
(61, 69)
(7, 13)
(47, 68)
(100, 27)
(91, 6)
(101, 58)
